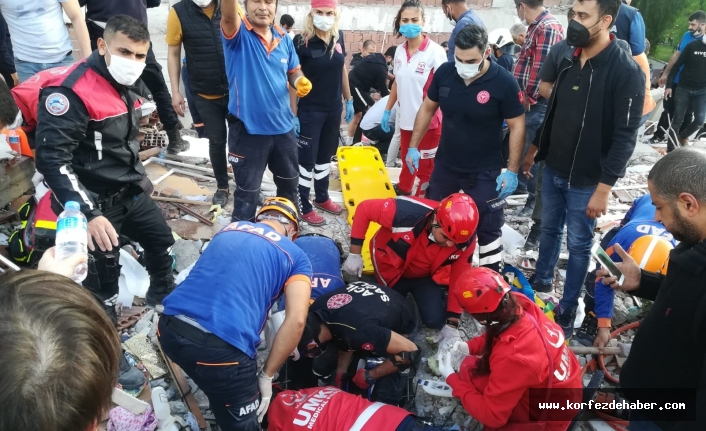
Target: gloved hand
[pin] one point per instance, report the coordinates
(461, 346)
(445, 367)
(447, 332)
(297, 126)
(341, 380)
(510, 180)
(413, 159)
(349, 111)
(362, 379)
(264, 383)
(303, 86)
(385, 122)
(353, 265)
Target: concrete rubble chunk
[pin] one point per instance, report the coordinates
(186, 252)
(178, 407)
(620, 312)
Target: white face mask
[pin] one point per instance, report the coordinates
(124, 71)
(468, 71)
(324, 23)
(202, 3)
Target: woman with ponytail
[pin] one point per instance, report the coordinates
(414, 65)
(318, 116)
(519, 362)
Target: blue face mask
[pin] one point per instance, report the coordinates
(410, 31)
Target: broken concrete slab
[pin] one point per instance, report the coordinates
(193, 230)
(15, 179)
(186, 253)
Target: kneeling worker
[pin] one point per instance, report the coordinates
(421, 245)
(212, 321)
(521, 350)
(367, 319)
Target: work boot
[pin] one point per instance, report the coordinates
(656, 140)
(588, 330)
(329, 206)
(160, 287)
(529, 207)
(177, 144)
(220, 197)
(313, 218)
(130, 378)
(683, 142)
(532, 241)
(565, 318)
(399, 192)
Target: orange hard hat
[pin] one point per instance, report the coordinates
(480, 290)
(651, 252)
(457, 216)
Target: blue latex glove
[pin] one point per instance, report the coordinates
(510, 180)
(413, 160)
(297, 126)
(349, 111)
(385, 122)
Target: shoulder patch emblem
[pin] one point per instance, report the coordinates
(338, 301)
(57, 104)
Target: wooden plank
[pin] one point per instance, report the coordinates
(184, 389)
(152, 152)
(605, 226)
(180, 201)
(623, 196)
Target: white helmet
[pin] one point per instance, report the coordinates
(500, 37)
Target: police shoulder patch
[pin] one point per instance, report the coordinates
(57, 104)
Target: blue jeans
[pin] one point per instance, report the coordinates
(533, 122)
(684, 100)
(563, 205)
(429, 297)
(26, 69)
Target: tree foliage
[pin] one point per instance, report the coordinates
(667, 17)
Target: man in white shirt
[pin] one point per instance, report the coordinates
(40, 38)
(370, 124)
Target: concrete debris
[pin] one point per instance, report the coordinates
(186, 253)
(620, 312)
(178, 407)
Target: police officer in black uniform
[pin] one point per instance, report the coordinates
(369, 321)
(87, 124)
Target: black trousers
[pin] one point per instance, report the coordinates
(151, 76)
(137, 217)
(225, 374)
(250, 155)
(665, 121)
(213, 113)
(382, 138)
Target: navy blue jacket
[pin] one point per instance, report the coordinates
(630, 27)
(7, 57)
(103, 10)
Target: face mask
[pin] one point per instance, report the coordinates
(698, 32)
(124, 71)
(410, 31)
(324, 23)
(17, 123)
(202, 3)
(468, 71)
(579, 36)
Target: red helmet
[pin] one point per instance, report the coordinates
(480, 290)
(457, 216)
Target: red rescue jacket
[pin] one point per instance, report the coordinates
(520, 361)
(403, 222)
(26, 94)
(330, 409)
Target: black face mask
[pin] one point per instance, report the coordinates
(579, 36)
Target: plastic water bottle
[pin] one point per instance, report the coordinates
(72, 237)
(163, 153)
(13, 139)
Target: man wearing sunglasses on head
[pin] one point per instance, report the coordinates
(421, 246)
(367, 320)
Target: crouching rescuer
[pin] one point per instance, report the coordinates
(87, 123)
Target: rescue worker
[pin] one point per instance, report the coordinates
(416, 61)
(475, 95)
(336, 410)
(520, 351)
(261, 64)
(636, 233)
(371, 72)
(87, 123)
(363, 319)
(500, 41)
(321, 51)
(420, 246)
(212, 321)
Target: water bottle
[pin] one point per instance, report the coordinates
(13, 139)
(163, 153)
(72, 237)
(160, 404)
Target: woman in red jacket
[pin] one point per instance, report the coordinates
(520, 361)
